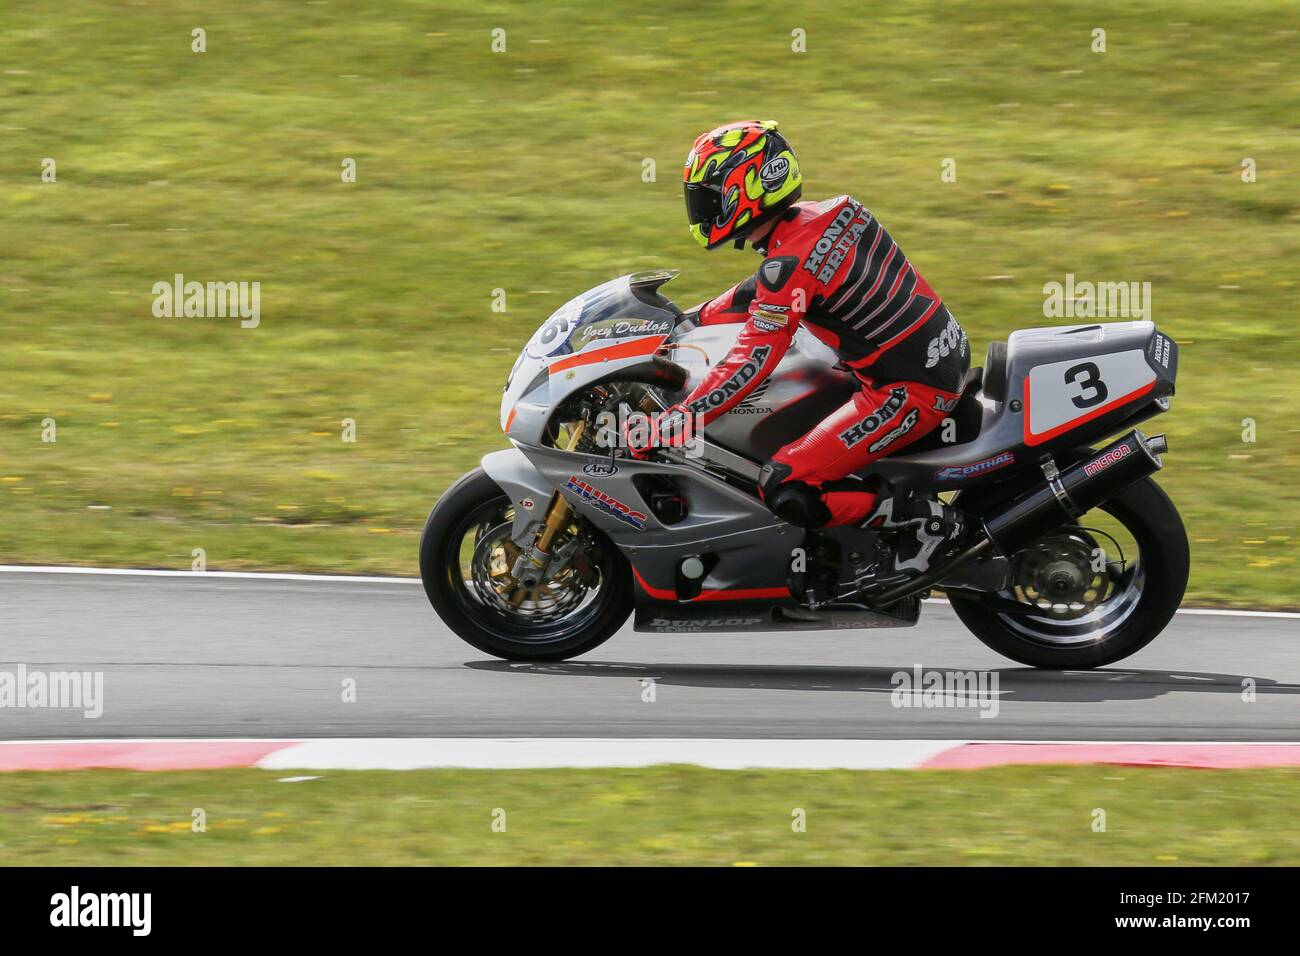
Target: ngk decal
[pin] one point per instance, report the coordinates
(1108, 459)
(606, 503)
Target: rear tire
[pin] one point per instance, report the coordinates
(474, 501)
(1147, 513)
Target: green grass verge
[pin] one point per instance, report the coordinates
(522, 171)
(661, 815)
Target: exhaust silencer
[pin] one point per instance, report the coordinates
(1070, 493)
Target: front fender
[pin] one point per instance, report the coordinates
(527, 489)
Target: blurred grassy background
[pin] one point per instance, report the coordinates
(522, 171)
(1003, 816)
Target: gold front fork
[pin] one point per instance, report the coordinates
(557, 517)
(557, 513)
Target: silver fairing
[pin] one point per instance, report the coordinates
(1051, 400)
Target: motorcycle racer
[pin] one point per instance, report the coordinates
(832, 268)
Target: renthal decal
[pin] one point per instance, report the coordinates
(606, 503)
(944, 404)
(826, 241)
(960, 472)
(896, 400)
(951, 339)
(738, 380)
(893, 434)
(1108, 459)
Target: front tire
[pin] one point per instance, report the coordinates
(565, 626)
(1146, 512)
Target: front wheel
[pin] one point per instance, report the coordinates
(466, 562)
(1070, 610)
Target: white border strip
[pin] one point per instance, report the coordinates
(199, 575)
(373, 579)
(536, 752)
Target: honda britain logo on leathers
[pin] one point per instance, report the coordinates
(847, 227)
(873, 422)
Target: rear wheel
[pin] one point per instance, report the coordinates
(1092, 593)
(466, 563)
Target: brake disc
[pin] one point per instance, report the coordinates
(1064, 574)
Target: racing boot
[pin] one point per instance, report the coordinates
(929, 531)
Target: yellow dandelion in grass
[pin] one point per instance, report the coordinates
(185, 430)
(110, 424)
(275, 813)
(183, 492)
(745, 863)
(266, 831)
(67, 842)
(63, 820)
(1166, 858)
(286, 507)
(380, 530)
(101, 396)
(12, 479)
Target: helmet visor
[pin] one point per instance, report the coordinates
(703, 203)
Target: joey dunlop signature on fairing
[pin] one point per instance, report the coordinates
(1075, 557)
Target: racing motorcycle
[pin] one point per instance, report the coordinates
(1076, 559)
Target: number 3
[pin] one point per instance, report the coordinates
(1088, 378)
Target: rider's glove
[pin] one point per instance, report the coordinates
(668, 429)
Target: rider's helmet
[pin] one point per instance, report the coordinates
(737, 177)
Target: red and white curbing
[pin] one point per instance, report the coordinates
(413, 753)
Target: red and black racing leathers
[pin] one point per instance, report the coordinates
(832, 267)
